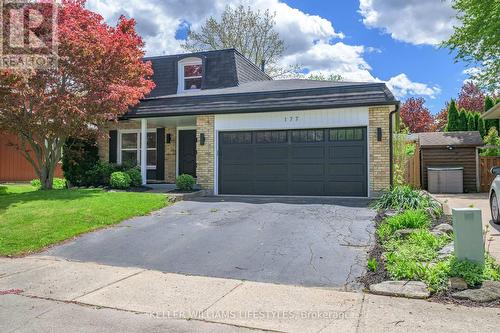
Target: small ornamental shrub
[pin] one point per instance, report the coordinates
(36, 183)
(185, 182)
(120, 180)
(57, 183)
(135, 177)
(100, 174)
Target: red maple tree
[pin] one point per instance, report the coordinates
(416, 116)
(100, 74)
(440, 120)
(471, 98)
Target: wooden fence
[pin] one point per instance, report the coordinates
(485, 176)
(13, 165)
(413, 169)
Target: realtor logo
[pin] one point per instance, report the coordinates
(28, 34)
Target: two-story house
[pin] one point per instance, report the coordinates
(218, 117)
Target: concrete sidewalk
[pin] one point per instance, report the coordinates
(62, 296)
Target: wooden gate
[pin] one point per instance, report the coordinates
(486, 163)
(413, 169)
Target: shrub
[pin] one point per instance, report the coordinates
(185, 182)
(120, 180)
(135, 177)
(409, 219)
(100, 174)
(474, 273)
(57, 183)
(36, 183)
(79, 157)
(404, 197)
(491, 139)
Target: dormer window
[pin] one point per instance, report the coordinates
(190, 74)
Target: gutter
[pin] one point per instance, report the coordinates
(391, 149)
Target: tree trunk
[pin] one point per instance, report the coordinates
(46, 179)
(45, 159)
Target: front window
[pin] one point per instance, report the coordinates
(190, 74)
(130, 149)
(192, 77)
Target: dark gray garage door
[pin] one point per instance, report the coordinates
(294, 162)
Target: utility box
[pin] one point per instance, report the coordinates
(445, 179)
(468, 231)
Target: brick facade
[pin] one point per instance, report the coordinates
(205, 153)
(378, 117)
(170, 155)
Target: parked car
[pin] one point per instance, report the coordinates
(495, 195)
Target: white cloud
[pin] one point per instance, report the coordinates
(401, 86)
(412, 21)
(337, 58)
(311, 40)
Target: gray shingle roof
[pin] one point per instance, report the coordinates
(222, 68)
(439, 139)
(261, 96)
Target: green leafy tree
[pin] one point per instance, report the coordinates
(453, 117)
(476, 40)
(488, 104)
(491, 139)
(462, 120)
(251, 32)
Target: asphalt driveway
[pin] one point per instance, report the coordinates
(310, 242)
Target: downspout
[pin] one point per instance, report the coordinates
(391, 152)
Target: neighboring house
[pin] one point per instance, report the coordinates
(451, 149)
(13, 166)
(218, 117)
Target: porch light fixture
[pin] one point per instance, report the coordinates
(379, 134)
(169, 137)
(202, 139)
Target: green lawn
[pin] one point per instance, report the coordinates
(31, 220)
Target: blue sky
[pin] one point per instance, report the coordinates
(394, 41)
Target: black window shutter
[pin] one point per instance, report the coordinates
(160, 154)
(113, 146)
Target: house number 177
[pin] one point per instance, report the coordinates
(290, 119)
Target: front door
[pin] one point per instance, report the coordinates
(187, 152)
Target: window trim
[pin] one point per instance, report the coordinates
(138, 149)
(180, 75)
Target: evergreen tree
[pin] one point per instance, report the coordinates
(471, 121)
(481, 127)
(476, 116)
(453, 118)
(462, 120)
